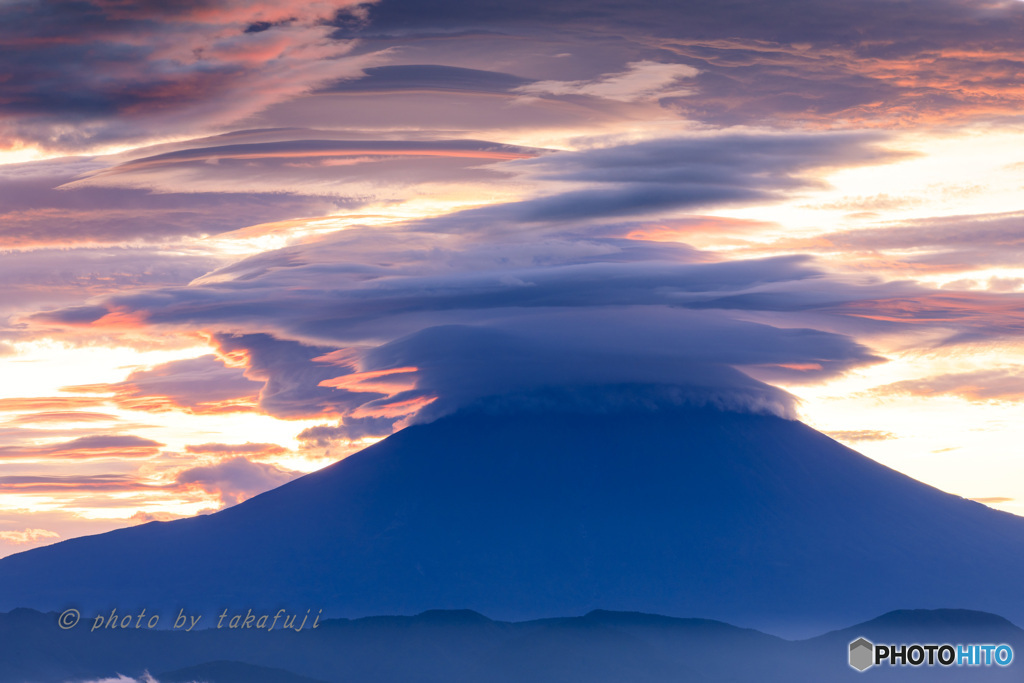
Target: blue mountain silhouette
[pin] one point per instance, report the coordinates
(750, 519)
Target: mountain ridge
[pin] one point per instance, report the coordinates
(749, 519)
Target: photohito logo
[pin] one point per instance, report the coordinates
(864, 654)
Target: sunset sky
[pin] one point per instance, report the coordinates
(241, 239)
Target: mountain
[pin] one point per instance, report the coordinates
(750, 519)
(465, 647)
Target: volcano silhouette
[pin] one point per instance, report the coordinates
(751, 519)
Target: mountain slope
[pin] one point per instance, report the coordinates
(747, 518)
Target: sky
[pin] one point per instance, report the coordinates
(240, 240)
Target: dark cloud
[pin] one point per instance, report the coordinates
(583, 309)
(611, 323)
(349, 429)
(463, 366)
(40, 207)
(91, 71)
(653, 356)
(406, 77)
(44, 278)
(659, 176)
(802, 60)
(292, 376)
(202, 385)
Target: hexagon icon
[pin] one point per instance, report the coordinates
(862, 654)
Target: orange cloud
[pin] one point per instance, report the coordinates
(861, 435)
(393, 409)
(933, 85)
(141, 517)
(966, 309)
(63, 416)
(49, 403)
(70, 484)
(387, 382)
(247, 449)
(699, 228)
(26, 536)
(996, 384)
(346, 358)
(96, 447)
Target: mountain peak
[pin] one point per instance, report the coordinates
(692, 512)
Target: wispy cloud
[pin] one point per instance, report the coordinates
(26, 536)
(93, 447)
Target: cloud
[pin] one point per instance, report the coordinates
(202, 385)
(564, 369)
(42, 206)
(643, 80)
(349, 429)
(93, 447)
(965, 317)
(542, 299)
(356, 171)
(662, 175)
(64, 484)
(858, 435)
(63, 416)
(27, 536)
(49, 403)
(804, 62)
(994, 384)
(435, 77)
(60, 277)
(96, 72)
(248, 449)
(937, 244)
(236, 479)
(141, 517)
(637, 308)
(293, 376)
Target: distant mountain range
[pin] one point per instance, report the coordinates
(750, 519)
(465, 647)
